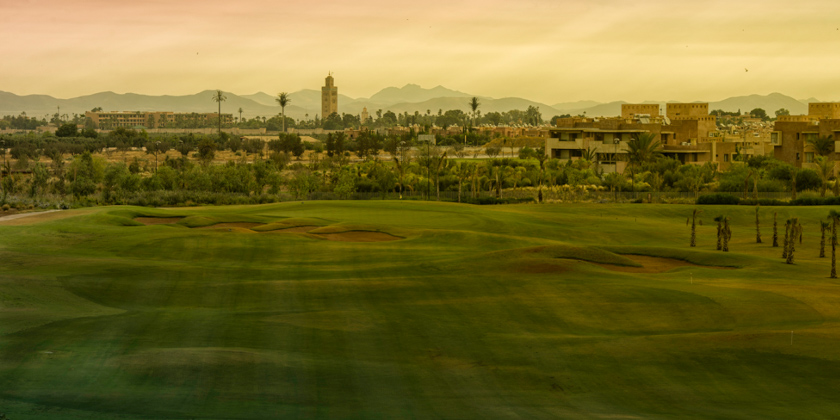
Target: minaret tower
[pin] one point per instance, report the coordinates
(329, 97)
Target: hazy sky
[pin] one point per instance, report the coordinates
(546, 50)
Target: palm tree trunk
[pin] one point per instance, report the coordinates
(792, 246)
(719, 238)
(833, 249)
(775, 233)
(726, 235)
(787, 240)
(693, 232)
(757, 228)
(822, 241)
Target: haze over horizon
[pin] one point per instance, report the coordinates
(543, 50)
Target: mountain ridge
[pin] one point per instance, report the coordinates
(306, 103)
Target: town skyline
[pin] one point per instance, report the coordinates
(546, 51)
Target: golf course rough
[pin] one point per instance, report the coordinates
(387, 309)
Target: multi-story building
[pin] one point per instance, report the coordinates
(690, 136)
(329, 97)
(131, 119)
(791, 134)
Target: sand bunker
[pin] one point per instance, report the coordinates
(358, 236)
(157, 220)
(653, 265)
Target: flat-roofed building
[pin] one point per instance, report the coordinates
(689, 140)
(131, 119)
(791, 134)
(677, 111)
(631, 111)
(824, 110)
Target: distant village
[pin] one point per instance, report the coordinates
(687, 132)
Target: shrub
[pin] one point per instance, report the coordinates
(494, 200)
(718, 198)
(808, 179)
(816, 201)
(763, 202)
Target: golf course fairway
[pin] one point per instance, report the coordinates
(414, 310)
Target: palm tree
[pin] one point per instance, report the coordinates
(835, 219)
(515, 174)
(823, 145)
(462, 171)
(495, 168)
(757, 228)
(240, 114)
(727, 234)
(401, 171)
(787, 239)
(793, 172)
(823, 227)
(795, 229)
(474, 104)
(441, 161)
(283, 100)
(719, 220)
(775, 232)
(825, 169)
(219, 97)
(641, 149)
(590, 154)
(694, 215)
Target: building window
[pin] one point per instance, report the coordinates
(809, 157)
(797, 155)
(726, 158)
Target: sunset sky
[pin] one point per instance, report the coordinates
(545, 50)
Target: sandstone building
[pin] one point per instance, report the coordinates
(791, 134)
(151, 120)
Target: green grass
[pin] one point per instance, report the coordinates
(480, 312)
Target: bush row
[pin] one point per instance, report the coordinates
(721, 198)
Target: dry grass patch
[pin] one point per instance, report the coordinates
(30, 218)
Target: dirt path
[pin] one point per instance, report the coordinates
(22, 215)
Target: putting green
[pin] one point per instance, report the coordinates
(387, 309)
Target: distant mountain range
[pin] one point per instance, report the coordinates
(307, 103)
